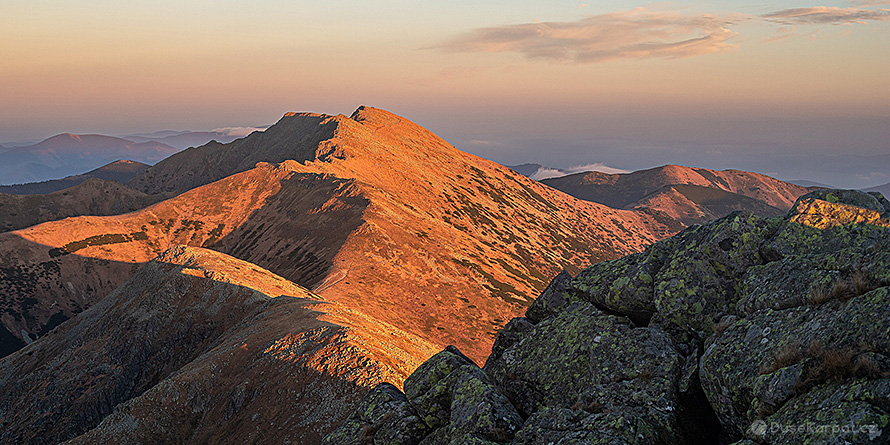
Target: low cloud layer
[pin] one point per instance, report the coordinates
(642, 33)
(548, 172)
(825, 15)
(237, 131)
(639, 33)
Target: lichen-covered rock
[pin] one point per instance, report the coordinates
(829, 208)
(698, 285)
(430, 387)
(625, 285)
(592, 362)
(382, 417)
(773, 359)
(479, 413)
(568, 426)
(513, 332)
(840, 412)
(884, 203)
(558, 295)
(785, 283)
(856, 198)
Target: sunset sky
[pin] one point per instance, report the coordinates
(797, 89)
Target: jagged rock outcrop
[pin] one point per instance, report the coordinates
(200, 347)
(746, 330)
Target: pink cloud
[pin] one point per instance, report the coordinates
(827, 15)
(635, 34)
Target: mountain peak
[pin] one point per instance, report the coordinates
(370, 114)
(304, 114)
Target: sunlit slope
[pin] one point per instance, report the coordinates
(370, 210)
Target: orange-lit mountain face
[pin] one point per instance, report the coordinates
(371, 211)
(689, 195)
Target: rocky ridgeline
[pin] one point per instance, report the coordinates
(746, 330)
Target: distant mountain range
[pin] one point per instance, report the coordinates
(70, 154)
(539, 172)
(119, 171)
(184, 139)
(807, 183)
(689, 195)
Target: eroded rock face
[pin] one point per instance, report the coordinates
(745, 330)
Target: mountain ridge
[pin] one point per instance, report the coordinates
(92, 196)
(680, 192)
(441, 243)
(193, 341)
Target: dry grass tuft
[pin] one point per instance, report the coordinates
(723, 325)
(855, 285)
(645, 374)
(862, 283)
(366, 434)
(592, 407)
(830, 365)
(786, 356)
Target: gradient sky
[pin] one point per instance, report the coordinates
(797, 89)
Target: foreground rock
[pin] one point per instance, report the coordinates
(200, 347)
(745, 329)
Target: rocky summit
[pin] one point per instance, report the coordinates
(743, 330)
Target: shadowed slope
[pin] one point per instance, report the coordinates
(91, 197)
(203, 346)
(695, 204)
(296, 136)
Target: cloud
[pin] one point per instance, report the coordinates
(482, 142)
(826, 15)
(635, 34)
(237, 131)
(548, 172)
(870, 2)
